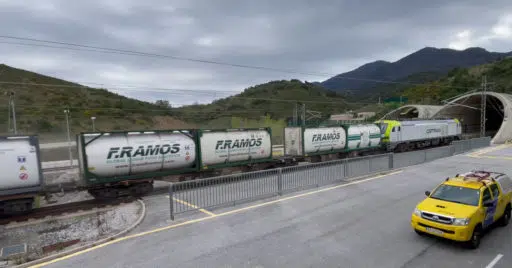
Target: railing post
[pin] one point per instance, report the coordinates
(345, 168)
(280, 181)
(391, 158)
(369, 164)
(171, 200)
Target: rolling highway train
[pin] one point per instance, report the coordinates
(120, 163)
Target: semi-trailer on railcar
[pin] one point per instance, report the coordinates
(316, 144)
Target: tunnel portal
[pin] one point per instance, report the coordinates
(468, 110)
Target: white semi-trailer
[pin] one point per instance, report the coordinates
(21, 177)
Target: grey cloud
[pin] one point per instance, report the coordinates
(306, 36)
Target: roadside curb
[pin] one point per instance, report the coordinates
(102, 241)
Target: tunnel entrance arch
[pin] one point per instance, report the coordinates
(412, 112)
(467, 109)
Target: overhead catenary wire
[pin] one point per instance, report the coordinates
(184, 91)
(114, 86)
(170, 108)
(81, 47)
(191, 92)
(181, 92)
(147, 111)
(167, 110)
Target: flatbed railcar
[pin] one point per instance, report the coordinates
(120, 163)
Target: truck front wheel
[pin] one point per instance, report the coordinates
(474, 242)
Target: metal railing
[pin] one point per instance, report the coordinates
(239, 188)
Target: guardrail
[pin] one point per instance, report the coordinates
(234, 189)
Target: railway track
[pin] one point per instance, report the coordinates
(67, 208)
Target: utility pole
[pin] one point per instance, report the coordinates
(295, 115)
(483, 106)
(66, 112)
(93, 127)
(12, 110)
(303, 114)
(8, 114)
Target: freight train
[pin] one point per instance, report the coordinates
(120, 163)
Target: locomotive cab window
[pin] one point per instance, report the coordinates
(383, 127)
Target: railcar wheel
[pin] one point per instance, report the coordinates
(105, 193)
(141, 189)
(18, 207)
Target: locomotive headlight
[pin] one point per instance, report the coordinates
(461, 221)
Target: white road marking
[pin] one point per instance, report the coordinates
(494, 261)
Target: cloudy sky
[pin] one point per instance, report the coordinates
(315, 39)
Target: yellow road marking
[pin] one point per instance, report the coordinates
(193, 206)
(235, 211)
(488, 150)
(492, 157)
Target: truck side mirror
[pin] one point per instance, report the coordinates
(427, 193)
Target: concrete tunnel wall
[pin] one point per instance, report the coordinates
(498, 110)
(413, 111)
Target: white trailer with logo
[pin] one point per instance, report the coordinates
(339, 141)
(21, 178)
(113, 163)
(303, 141)
(363, 136)
(234, 147)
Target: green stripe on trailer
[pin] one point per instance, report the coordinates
(358, 137)
(353, 137)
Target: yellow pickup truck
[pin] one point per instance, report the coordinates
(462, 207)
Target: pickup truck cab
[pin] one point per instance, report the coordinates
(462, 207)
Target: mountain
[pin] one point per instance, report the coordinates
(435, 62)
(461, 80)
(270, 104)
(40, 102)
(276, 99)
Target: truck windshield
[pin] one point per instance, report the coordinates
(457, 194)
